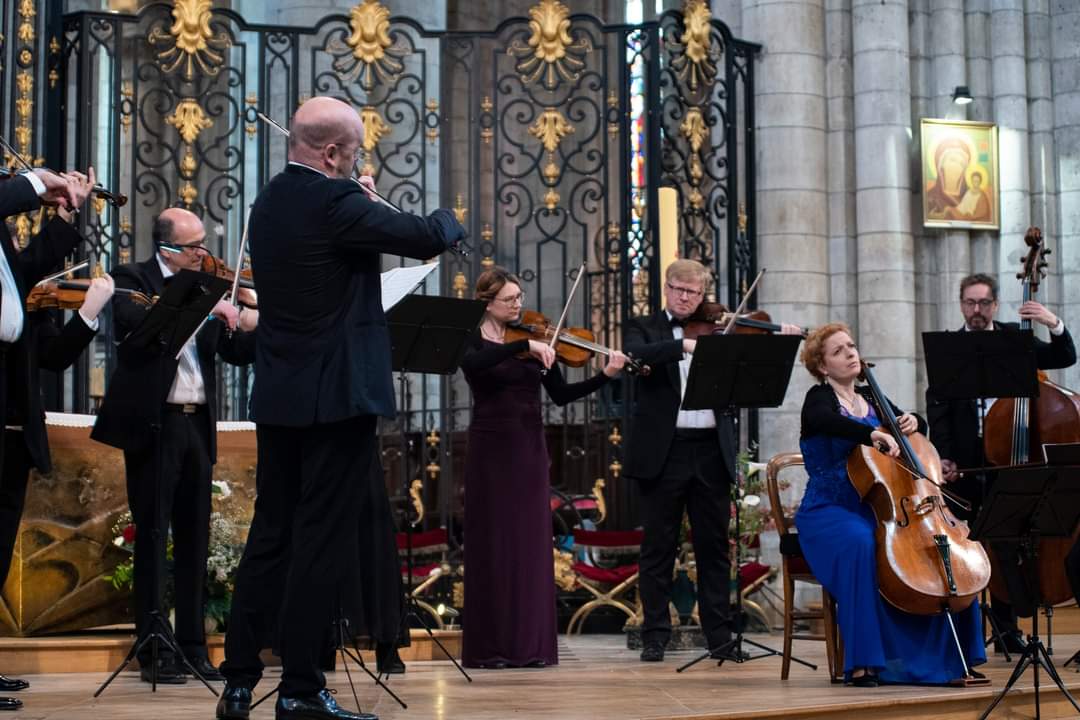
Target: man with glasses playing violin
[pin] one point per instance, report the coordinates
(187, 413)
(684, 461)
(956, 425)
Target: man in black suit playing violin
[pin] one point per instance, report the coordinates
(322, 377)
(186, 412)
(30, 340)
(956, 425)
(684, 461)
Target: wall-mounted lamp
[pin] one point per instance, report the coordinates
(961, 95)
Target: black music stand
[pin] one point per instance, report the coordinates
(1025, 505)
(177, 315)
(978, 365)
(428, 334)
(737, 372)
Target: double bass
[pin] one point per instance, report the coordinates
(1015, 429)
(925, 562)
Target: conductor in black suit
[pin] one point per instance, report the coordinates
(28, 341)
(322, 377)
(683, 461)
(956, 425)
(186, 410)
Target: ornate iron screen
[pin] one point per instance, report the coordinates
(549, 136)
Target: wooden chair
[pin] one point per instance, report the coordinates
(795, 570)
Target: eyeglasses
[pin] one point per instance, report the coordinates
(984, 304)
(684, 291)
(512, 299)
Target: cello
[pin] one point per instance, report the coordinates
(1015, 429)
(925, 562)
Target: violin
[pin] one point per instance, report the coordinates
(216, 266)
(575, 346)
(712, 318)
(925, 562)
(70, 294)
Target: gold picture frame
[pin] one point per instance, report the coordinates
(960, 176)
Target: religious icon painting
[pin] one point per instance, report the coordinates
(960, 174)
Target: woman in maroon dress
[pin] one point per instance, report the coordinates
(509, 618)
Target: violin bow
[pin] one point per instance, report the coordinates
(742, 305)
(14, 153)
(240, 257)
(566, 307)
(62, 273)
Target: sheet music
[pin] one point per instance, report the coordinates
(401, 281)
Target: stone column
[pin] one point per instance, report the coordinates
(883, 193)
(948, 70)
(924, 242)
(1065, 44)
(1041, 151)
(984, 245)
(843, 268)
(791, 180)
(1010, 113)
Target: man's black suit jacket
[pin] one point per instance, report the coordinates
(44, 254)
(323, 351)
(954, 424)
(657, 400)
(128, 411)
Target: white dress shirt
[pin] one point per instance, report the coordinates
(689, 419)
(187, 387)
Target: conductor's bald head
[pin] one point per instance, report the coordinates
(326, 134)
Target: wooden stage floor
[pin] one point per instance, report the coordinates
(597, 679)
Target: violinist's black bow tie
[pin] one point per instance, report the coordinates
(676, 322)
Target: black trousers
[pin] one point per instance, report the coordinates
(290, 577)
(183, 487)
(694, 479)
(16, 473)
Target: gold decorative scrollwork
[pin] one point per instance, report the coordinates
(190, 41)
(189, 120)
(460, 211)
(550, 51)
(374, 127)
(252, 101)
(550, 128)
(416, 489)
(460, 284)
(693, 129)
(694, 58)
(127, 92)
(26, 25)
(564, 570)
(369, 54)
(551, 199)
(601, 504)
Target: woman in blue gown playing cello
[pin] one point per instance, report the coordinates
(882, 644)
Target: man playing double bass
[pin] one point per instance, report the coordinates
(956, 425)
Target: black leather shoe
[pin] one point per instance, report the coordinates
(387, 659)
(12, 684)
(10, 703)
(234, 703)
(321, 706)
(167, 673)
(652, 652)
(866, 680)
(1011, 641)
(205, 668)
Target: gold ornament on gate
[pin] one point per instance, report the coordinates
(550, 51)
(693, 57)
(189, 120)
(550, 128)
(369, 53)
(190, 41)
